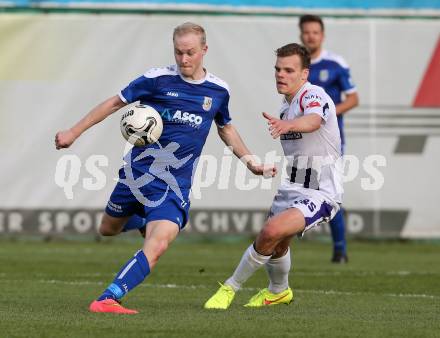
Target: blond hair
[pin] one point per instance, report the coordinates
(189, 27)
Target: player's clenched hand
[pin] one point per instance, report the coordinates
(64, 139)
(276, 126)
(267, 171)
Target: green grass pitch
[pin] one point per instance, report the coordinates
(388, 289)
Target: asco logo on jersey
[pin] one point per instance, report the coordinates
(188, 118)
(182, 117)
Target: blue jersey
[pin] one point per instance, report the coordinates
(332, 73)
(188, 109)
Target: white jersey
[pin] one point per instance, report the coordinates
(313, 158)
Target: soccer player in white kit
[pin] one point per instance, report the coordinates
(311, 194)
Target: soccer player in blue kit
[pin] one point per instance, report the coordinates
(189, 99)
(332, 73)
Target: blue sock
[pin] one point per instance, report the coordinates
(134, 222)
(337, 226)
(131, 275)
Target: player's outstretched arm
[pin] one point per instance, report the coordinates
(351, 100)
(303, 124)
(65, 138)
(231, 138)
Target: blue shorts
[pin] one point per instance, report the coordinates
(153, 204)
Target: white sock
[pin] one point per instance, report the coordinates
(250, 262)
(278, 271)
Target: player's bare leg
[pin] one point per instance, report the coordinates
(111, 226)
(282, 247)
(277, 229)
(158, 236)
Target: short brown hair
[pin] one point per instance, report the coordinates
(189, 27)
(295, 49)
(310, 18)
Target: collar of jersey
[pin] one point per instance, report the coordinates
(320, 57)
(193, 81)
(297, 93)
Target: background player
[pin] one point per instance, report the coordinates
(173, 91)
(309, 135)
(332, 73)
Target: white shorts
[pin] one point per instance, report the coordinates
(315, 206)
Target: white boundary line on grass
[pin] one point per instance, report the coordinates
(195, 287)
(399, 273)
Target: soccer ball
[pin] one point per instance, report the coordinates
(141, 125)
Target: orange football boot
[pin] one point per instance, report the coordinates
(109, 306)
